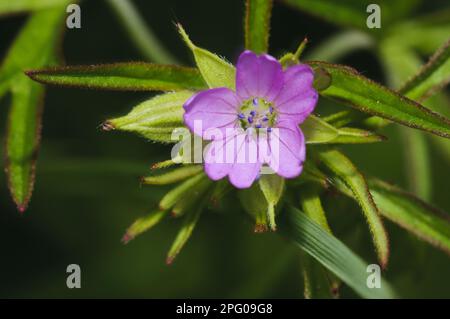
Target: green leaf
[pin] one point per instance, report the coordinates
(413, 214)
(18, 6)
(317, 131)
(216, 71)
(143, 224)
(181, 192)
(23, 136)
(331, 253)
(433, 76)
(198, 195)
(133, 76)
(257, 25)
(400, 64)
(183, 235)
(34, 47)
(158, 113)
(176, 175)
(312, 206)
(343, 168)
(353, 89)
(316, 281)
(272, 187)
(352, 13)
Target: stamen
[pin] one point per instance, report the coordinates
(241, 116)
(269, 129)
(270, 109)
(265, 119)
(258, 125)
(252, 113)
(250, 119)
(255, 101)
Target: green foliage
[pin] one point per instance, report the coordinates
(34, 47)
(133, 76)
(143, 224)
(19, 6)
(216, 71)
(353, 89)
(318, 131)
(413, 214)
(257, 25)
(331, 253)
(173, 176)
(342, 168)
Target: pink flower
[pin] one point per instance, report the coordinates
(256, 125)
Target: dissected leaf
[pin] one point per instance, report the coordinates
(353, 89)
(344, 169)
(312, 206)
(257, 25)
(216, 71)
(133, 76)
(331, 253)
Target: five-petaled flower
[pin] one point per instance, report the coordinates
(263, 114)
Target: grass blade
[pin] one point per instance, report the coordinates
(331, 253)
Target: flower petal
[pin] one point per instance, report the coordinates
(298, 98)
(287, 145)
(211, 109)
(247, 165)
(219, 158)
(258, 76)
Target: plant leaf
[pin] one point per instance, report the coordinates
(216, 71)
(257, 25)
(183, 235)
(17, 6)
(413, 214)
(331, 253)
(352, 13)
(312, 206)
(181, 191)
(159, 112)
(176, 175)
(34, 47)
(272, 186)
(344, 169)
(367, 96)
(317, 131)
(133, 76)
(143, 224)
(431, 77)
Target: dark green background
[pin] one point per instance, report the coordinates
(87, 191)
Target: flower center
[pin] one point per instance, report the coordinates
(257, 113)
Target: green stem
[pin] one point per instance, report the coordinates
(143, 37)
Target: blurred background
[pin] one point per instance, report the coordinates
(87, 189)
